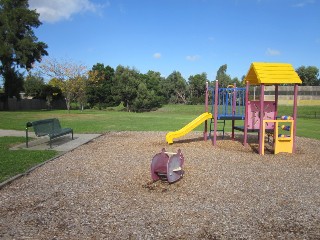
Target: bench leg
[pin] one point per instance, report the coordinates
(27, 137)
(72, 134)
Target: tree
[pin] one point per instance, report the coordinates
(100, 83)
(19, 47)
(238, 82)
(309, 75)
(222, 76)
(153, 81)
(125, 85)
(138, 92)
(146, 99)
(68, 76)
(50, 93)
(33, 85)
(197, 85)
(13, 83)
(175, 88)
(80, 87)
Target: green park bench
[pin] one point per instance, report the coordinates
(47, 127)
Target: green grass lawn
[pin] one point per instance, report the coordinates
(90, 121)
(19, 161)
(167, 118)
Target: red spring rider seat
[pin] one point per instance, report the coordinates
(167, 168)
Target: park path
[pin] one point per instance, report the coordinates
(62, 144)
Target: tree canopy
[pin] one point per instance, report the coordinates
(103, 86)
(175, 88)
(70, 77)
(197, 84)
(34, 85)
(99, 88)
(222, 76)
(309, 75)
(19, 47)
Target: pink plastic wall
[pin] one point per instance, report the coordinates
(254, 111)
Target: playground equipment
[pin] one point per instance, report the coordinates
(189, 127)
(259, 116)
(274, 74)
(227, 104)
(167, 168)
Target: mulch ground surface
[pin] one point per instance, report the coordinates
(103, 190)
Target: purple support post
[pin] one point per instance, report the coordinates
(232, 133)
(216, 98)
(295, 110)
(234, 108)
(245, 130)
(234, 99)
(261, 117)
(205, 134)
(276, 93)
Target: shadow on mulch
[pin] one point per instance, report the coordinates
(190, 140)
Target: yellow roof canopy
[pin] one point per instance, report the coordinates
(272, 73)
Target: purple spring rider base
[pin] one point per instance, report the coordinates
(167, 168)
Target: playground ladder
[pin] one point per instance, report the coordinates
(218, 130)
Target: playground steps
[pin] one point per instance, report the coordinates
(223, 122)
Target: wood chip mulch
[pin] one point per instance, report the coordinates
(103, 190)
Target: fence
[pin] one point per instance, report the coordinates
(307, 96)
(312, 115)
(286, 92)
(32, 104)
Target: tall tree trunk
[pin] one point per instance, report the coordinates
(5, 100)
(68, 104)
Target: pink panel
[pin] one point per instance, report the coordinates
(254, 111)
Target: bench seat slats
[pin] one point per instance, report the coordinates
(62, 132)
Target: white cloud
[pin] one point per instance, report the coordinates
(57, 10)
(193, 58)
(272, 52)
(303, 3)
(157, 55)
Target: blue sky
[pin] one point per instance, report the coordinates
(189, 36)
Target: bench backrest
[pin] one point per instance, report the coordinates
(45, 127)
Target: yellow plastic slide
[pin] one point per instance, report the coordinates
(187, 128)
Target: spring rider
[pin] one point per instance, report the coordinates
(167, 168)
